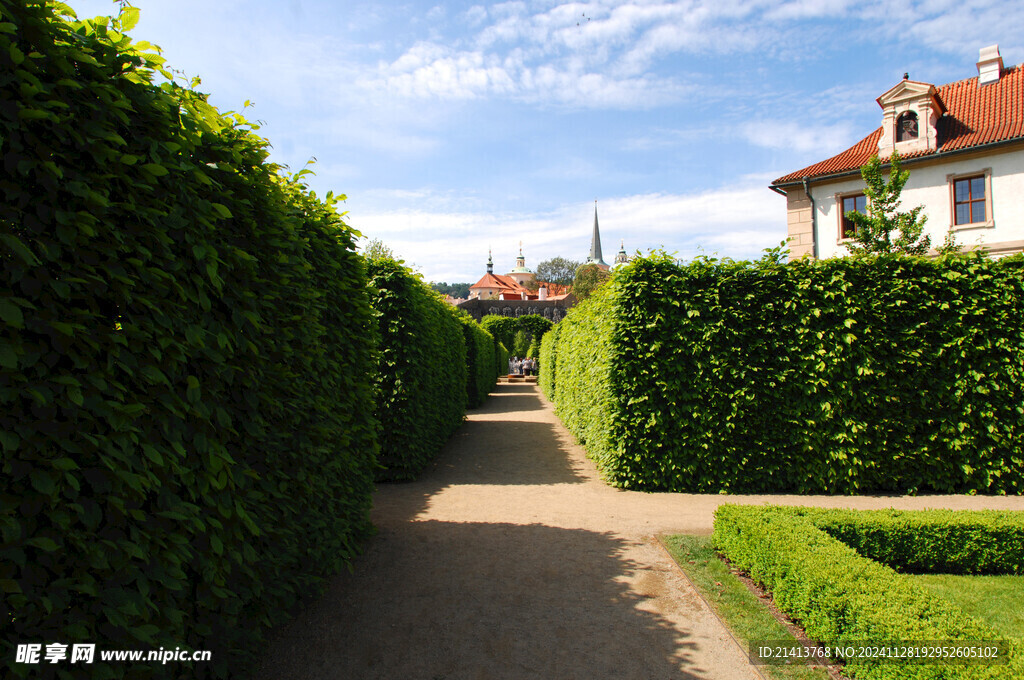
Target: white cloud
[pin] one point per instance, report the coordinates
(451, 244)
(821, 139)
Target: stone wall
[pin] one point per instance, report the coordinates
(553, 310)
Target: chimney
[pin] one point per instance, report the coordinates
(990, 65)
(542, 293)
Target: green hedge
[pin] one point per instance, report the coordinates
(932, 541)
(548, 357)
(846, 375)
(584, 395)
(504, 328)
(838, 595)
(481, 365)
(421, 375)
(186, 409)
(501, 357)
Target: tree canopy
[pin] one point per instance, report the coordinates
(885, 228)
(588, 278)
(557, 270)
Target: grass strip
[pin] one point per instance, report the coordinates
(996, 600)
(743, 612)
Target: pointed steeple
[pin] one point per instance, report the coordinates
(490, 262)
(595, 243)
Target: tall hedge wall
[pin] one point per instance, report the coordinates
(422, 374)
(481, 363)
(186, 409)
(846, 375)
(547, 379)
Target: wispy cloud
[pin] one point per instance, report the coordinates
(729, 220)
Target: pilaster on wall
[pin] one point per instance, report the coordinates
(800, 224)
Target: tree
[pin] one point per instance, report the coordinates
(588, 278)
(557, 270)
(375, 249)
(520, 345)
(534, 351)
(886, 229)
(455, 290)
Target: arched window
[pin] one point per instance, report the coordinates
(906, 126)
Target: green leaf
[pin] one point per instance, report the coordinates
(8, 357)
(222, 210)
(129, 18)
(42, 482)
(19, 249)
(155, 169)
(44, 543)
(11, 314)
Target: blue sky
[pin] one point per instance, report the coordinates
(455, 127)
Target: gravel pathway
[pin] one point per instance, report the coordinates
(511, 559)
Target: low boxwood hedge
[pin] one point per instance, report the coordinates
(838, 595)
(932, 541)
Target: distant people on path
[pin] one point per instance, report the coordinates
(518, 366)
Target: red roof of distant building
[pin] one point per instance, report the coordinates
(977, 115)
(504, 284)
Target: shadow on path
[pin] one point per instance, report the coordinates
(465, 600)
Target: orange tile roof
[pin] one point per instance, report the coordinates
(977, 115)
(502, 283)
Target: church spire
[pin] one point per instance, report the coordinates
(595, 243)
(490, 262)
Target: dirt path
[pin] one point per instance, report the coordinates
(511, 559)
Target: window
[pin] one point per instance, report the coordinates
(906, 126)
(850, 203)
(971, 199)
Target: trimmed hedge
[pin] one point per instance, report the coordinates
(585, 400)
(481, 365)
(504, 328)
(501, 357)
(421, 376)
(931, 541)
(838, 595)
(890, 374)
(186, 409)
(547, 379)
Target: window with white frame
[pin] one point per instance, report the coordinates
(971, 199)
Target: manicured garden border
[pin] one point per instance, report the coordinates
(838, 595)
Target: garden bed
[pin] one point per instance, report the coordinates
(837, 573)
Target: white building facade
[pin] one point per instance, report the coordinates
(962, 143)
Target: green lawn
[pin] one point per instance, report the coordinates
(745, 615)
(996, 600)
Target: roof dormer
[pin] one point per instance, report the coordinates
(910, 116)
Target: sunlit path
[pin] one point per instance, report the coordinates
(511, 559)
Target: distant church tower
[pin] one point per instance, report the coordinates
(622, 257)
(595, 245)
